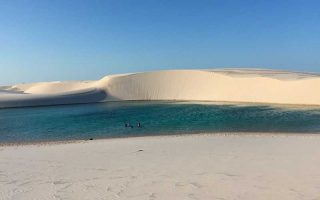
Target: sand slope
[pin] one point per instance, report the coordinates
(206, 167)
(231, 85)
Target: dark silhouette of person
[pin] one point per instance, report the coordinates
(128, 125)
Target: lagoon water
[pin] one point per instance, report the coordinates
(103, 120)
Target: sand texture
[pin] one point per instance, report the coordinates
(226, 85)
(205, 167)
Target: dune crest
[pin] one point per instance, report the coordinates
(228, 85)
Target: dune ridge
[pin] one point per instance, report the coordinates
(225, 85)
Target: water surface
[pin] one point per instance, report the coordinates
(102, 120)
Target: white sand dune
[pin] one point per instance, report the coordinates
(227, 85)
(202, 167)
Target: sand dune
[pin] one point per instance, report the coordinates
(227, 85)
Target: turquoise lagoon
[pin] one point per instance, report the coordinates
(106, 120)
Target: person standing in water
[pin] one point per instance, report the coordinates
(128, 125)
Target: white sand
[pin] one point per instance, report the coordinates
(227, 85)
(184, 167)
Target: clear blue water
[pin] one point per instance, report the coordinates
(102, 120)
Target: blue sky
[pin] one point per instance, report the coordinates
(48, 40)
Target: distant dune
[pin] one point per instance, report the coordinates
(225, 85)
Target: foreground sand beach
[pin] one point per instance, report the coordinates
(255, 166)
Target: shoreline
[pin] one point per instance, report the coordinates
(218, 134)
(182, 101)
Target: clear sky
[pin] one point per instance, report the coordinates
(44, 40)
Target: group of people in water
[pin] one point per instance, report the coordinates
(128, 125)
